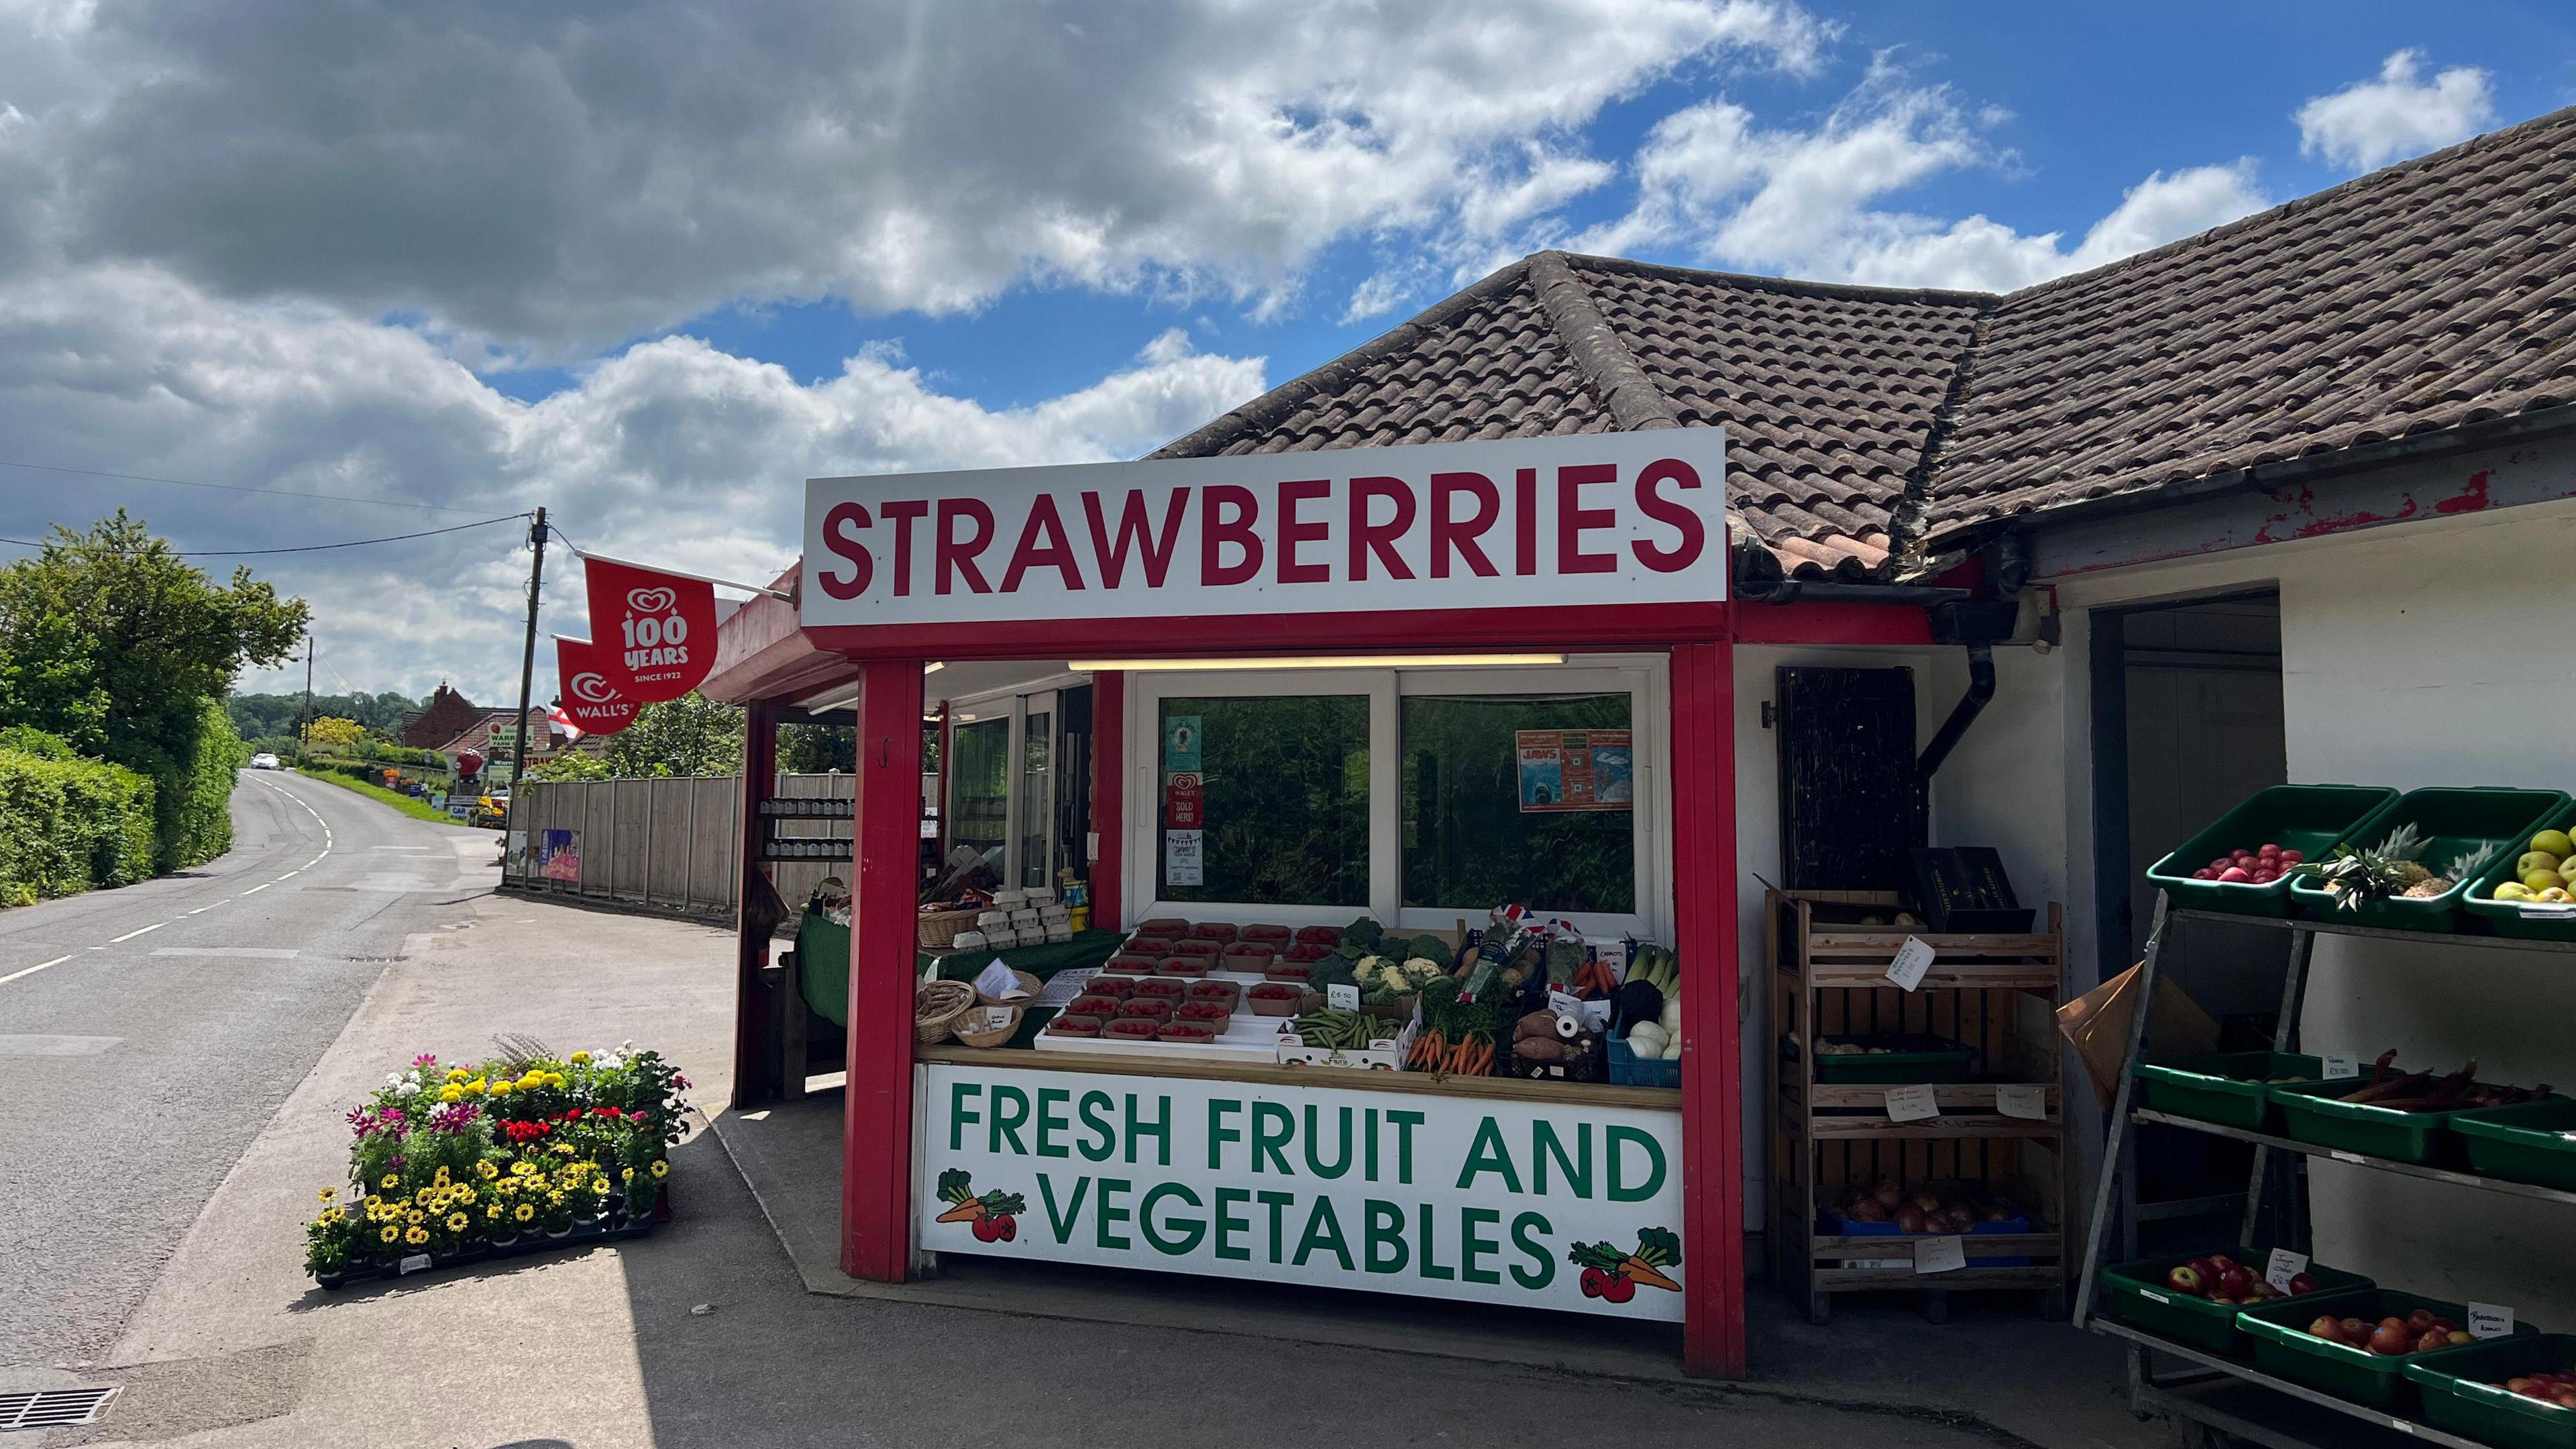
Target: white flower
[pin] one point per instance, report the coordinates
(393, 1079)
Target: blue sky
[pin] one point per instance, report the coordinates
(652, 265)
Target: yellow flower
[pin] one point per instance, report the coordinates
(459, 1074)
(390, 1233)
(522, 1169)
(328, 1194)
(581, 1059)
(486, 1170)
(456, 1222)
(493, 1212)
(392, 1179)
(524, 1212)
(416, 1236)
(500, 1088)
(442, 1174)
(464, 1194)
(626, 1175)
(449, 1093)
(661, 1167)
(414, 1216)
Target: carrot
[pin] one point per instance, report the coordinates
(1638, 1270)
(965, 1212)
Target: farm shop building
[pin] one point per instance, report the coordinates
(2064, 572)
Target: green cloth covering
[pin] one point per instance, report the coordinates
(823, 967)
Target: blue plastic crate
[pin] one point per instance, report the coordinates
(1834, 1224)
(1627, 1069)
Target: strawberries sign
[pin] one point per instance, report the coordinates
(653, 634)
(591, 701)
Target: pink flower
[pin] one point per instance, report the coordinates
(425, 1059)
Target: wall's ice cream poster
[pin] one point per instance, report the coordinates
(1576, 770)
(1539, 1204)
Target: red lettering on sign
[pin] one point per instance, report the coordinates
(1448, 533)
(1216, 530)
(1573, 520)
(1380, 538)
(1294, 531)
(1524, 521)
(1135, 528)
(903, 511)
(1670, 514)
(959, 554)
(837, 539)
(1056, 555)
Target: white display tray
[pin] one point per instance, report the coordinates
(1248, 1037)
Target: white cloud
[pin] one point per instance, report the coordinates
(2370, 123)
(670, 450)
(1713, 181)
(557, 182)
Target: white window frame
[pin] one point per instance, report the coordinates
(1644, 678)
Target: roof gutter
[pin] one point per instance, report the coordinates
(1819, 591)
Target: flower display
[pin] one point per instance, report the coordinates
(538, 1144)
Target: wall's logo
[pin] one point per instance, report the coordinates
(589, 688)
(651, 601)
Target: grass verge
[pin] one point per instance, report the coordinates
(404, 803)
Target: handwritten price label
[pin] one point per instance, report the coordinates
(1911, 1104)
(2026, 1100)
(1941, 1254)
(1912, 960)
(2338, 1068)
(2283, 1266)
(1342, 998)
(2490, 1320)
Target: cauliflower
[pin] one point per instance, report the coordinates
(1422, 969)
(1371, 966)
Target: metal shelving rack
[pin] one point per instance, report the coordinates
(1831, 980)
(2187, 1393)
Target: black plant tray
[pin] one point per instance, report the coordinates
(582, 1235)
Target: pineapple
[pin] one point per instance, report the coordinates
(2388, 869)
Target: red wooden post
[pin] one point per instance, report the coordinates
(876, 1121)
(752, 1049)
(1703, 734)
(1108, 796)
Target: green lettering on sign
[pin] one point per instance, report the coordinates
(1475, 1245)
(1278, 1203)
(1544, 1144)
(1095, 1116)
(1489, 1154)
(1314, 1134)
(1526, 1230)
(1404, 1122)
(1061, 1223)
(1052, 1120)
(1273, 1125)
(1178, 1244)
(1220, 1134)
(959, 1115)
(1385, 1230)
(1323, 1230)
(1654, 1150)
(1111, 1214)
(1010, 1114)
(1431, 1266)
(1160, 1129)
(1228, 1224)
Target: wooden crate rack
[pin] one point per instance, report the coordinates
(1994, 994)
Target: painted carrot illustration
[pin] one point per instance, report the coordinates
(1615, 1276)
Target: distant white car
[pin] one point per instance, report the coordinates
(263, 761)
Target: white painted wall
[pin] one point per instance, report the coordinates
(2423, 654)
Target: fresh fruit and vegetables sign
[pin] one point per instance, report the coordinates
(1576, 770)
(1534, 1204)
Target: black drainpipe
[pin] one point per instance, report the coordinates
(1981, 689)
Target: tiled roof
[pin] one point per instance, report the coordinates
(1864, 419)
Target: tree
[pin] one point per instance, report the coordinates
(815, 749)
(336, 736)
(691, 735)
(571, 765)
(275, 714)
(112, 641)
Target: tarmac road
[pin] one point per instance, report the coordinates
(148, 1033)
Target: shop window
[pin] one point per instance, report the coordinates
(979, 786)
(1519, 797)
(1283, 800)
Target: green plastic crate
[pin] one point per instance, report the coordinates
(2232, 1089)
(2284, 1348)
(1917, 1058)
(2532, 1142)
(2464, 1394)
(2510, 918)
(2313, 1114)
(2453, 821)
(2135, 1293)
(2310, 819)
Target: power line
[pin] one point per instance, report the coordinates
(302, 548)
(232, 487)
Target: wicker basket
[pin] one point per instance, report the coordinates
(937, 1010)
(1028, 983)
(939, 928)
(983, 1036)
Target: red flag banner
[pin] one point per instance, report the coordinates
(653, 634)
(591, 700)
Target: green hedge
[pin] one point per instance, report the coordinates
(67, 824)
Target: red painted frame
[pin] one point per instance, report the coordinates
(876, 1224)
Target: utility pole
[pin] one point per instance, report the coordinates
(304, 716)
(528, 657)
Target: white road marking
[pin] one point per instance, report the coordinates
(56, 1046)
(32, 970)
(248, 953)
(255, 890)
(290, 875)
(130, 935)
(201, 910)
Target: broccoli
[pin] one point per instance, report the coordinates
(1432, 949)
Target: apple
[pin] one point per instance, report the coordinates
(2234, 1281)
(2292, 857)
(2186, 1279)
(2433, 1338)
(2303, 1283)
(2390, 1339)
(2420, 1319)
(2328, 1327)
(2236, 874)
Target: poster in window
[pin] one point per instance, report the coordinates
(1181, 742)
(1575, 770)
(1184, 802)
(1182, 861)
(559, 855)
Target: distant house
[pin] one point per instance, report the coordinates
(447, 715)
(496, 734)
